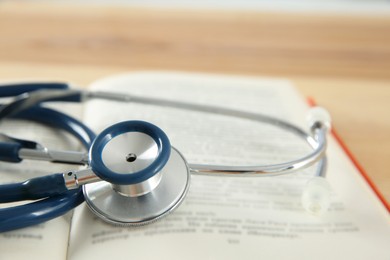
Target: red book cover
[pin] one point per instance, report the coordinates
(358, 166)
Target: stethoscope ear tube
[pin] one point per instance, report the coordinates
(9, 152)
(52, 207)
(40, 211)
(16, 89)
(59, 120)
(28, 96)
(33, 189)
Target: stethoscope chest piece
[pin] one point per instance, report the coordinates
(145, 178)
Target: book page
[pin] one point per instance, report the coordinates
(234, 217)
(48, 240)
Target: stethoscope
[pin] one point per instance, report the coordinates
(133, 175)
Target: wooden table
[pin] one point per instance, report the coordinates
(343, 61)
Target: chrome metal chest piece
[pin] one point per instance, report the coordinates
(145, 199)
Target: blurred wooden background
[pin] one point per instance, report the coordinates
(343, 61)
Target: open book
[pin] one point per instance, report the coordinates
(222, 217)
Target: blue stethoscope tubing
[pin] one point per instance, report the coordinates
(53, 198)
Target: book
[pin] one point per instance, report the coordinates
(221, 217)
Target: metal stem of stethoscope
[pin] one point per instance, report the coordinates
(317, 140)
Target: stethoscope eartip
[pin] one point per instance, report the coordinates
(319, 115)
(316, 196)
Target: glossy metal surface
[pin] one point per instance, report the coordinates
(44, 154)
(118, 209)
(318, 143)
(134, 190)
(129, 152)
(75, 179)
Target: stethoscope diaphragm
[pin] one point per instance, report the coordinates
(126, 155)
